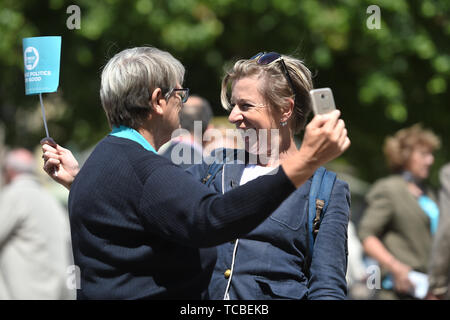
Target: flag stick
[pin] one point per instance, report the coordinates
(45, 122)
(43, 115)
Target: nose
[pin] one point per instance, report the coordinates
(235, 115)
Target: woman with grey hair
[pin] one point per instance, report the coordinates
(137, 220)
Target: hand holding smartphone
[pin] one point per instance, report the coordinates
(322, 100)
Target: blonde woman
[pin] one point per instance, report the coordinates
(267, 97)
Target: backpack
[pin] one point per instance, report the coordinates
(319, 196)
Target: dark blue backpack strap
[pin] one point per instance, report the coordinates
(326, 187)
(313, 192)
(319, 196)
(212, 171)
(215, 167)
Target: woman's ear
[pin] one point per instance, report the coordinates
(155, 101)
(287, 110)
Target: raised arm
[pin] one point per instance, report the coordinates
(192, 213)
(325, 139)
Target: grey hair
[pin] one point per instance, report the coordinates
(20, 160)
(275, 88)
(129, 79)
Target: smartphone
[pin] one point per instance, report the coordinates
(322, 100)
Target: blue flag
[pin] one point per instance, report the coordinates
(41, 64)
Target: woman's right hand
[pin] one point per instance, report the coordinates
(401, 281)
(59, 163)
(325, 139)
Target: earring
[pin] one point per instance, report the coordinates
(283, 123)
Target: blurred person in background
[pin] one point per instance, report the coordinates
(186, 149)
(356, 272)
(35, 249)
(439, 272)
(398, 225)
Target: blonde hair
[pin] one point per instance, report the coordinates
(275, 88)
(398, 148)
(130, 77)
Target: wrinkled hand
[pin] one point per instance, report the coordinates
(325, 139)
(59, 163)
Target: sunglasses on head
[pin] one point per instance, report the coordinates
(264, 58)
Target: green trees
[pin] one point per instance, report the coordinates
(383, 79)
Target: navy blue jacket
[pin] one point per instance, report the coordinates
(270, 260)
(138, 221)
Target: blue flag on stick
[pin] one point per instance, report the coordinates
(41, 64)
(41, 58)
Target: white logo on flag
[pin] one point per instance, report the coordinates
(31, 58)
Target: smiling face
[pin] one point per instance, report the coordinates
(420, 161)
(250, 113)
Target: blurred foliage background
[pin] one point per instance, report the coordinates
(383, 79)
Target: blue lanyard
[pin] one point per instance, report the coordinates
(131, 134)
(432, 211)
